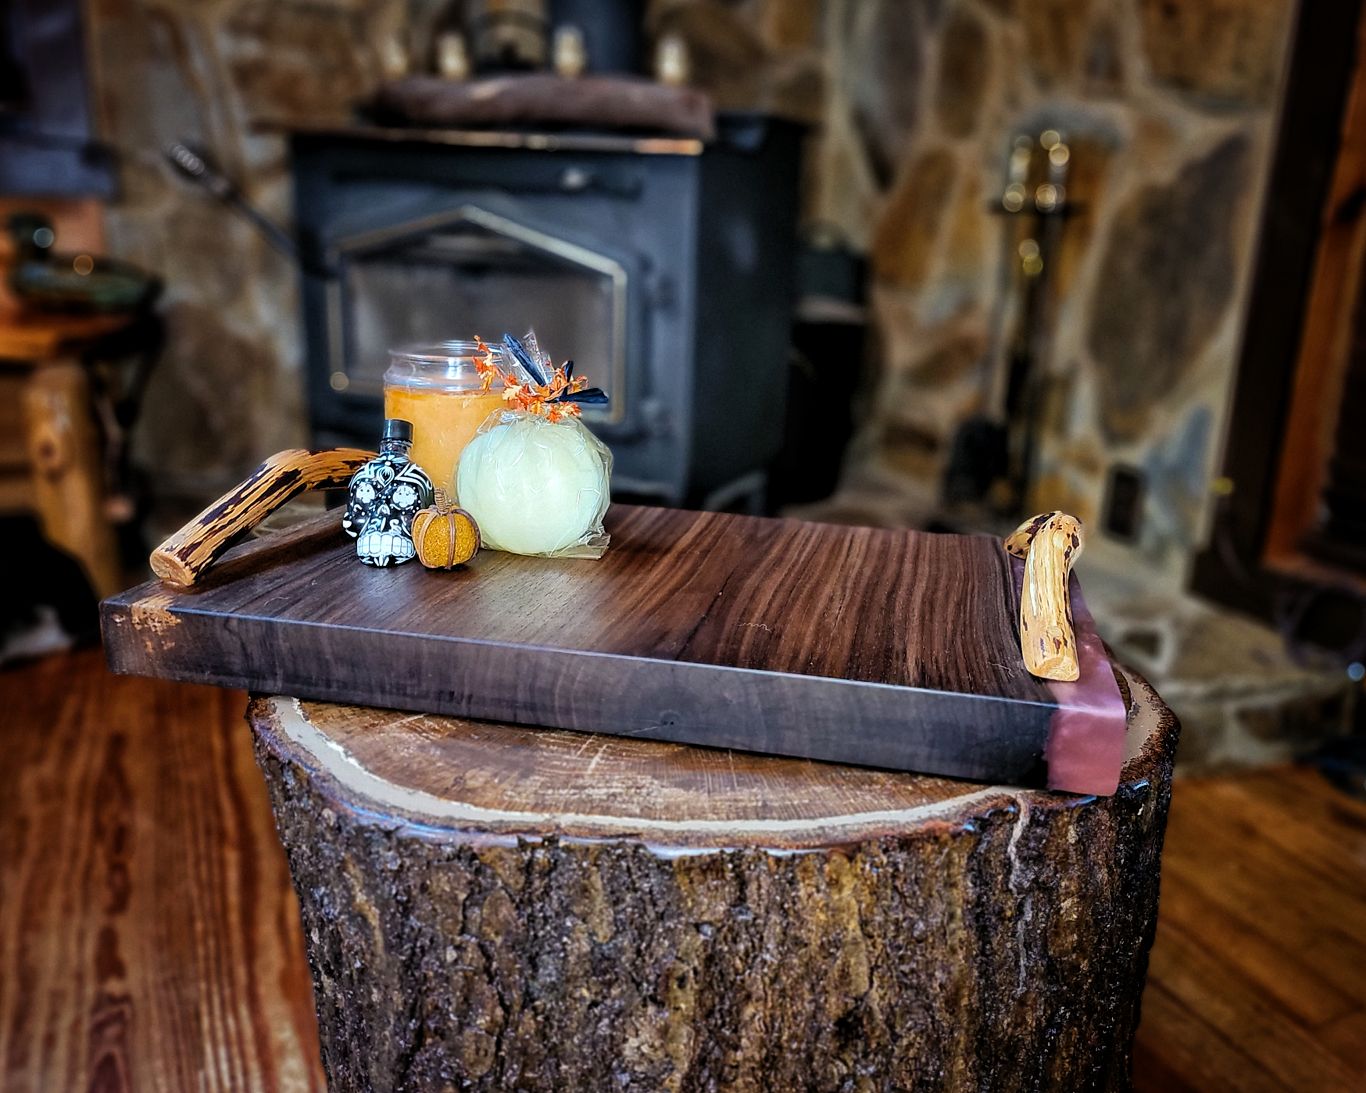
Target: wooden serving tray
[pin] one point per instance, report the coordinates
(894, 649)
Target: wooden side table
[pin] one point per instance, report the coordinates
(490, 907)
(51, 449)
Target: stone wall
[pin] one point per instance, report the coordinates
(230, 386)
(1169, 109)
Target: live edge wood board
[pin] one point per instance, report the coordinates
(893, 649)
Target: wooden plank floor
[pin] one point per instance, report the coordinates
(149, 939)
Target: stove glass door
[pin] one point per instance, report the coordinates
(474, 272)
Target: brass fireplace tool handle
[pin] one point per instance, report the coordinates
(183, 558)
(1050, 544)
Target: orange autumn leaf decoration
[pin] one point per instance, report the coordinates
(544, 400)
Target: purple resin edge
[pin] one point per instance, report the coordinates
(1085, 748)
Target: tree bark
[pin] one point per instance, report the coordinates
(495, 908)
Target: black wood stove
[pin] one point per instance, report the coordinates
(663, 267)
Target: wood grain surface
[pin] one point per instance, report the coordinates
(514, 780)
(1264, 875)
(510, 780)
(149, 939)
(766, 635)
(67, 486)
(1258, 974)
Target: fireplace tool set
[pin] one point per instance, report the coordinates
(992, 454)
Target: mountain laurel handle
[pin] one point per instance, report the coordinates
(1050, 544)
(184, 557)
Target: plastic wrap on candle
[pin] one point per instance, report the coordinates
(536, 486)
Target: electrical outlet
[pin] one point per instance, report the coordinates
(1124, 502)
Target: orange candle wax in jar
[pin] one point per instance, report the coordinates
(440, 391)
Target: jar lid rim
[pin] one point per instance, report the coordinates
(439, 352)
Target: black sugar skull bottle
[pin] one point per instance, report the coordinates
(385, 495)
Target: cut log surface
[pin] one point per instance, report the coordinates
(491, 907)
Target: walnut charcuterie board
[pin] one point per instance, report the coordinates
(894, 649)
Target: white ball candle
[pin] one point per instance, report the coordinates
(534, 486)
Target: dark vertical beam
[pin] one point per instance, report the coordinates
(46, 142)
(1321, 68)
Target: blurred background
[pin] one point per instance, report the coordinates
(914, 263)
(937, 264)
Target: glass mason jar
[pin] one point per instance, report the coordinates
(438, 389)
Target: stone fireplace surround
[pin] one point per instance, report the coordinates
(1170, 111)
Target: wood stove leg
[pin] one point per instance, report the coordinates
(68, 472)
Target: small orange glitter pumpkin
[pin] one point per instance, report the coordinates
(445, 536)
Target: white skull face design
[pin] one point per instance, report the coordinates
(385, 495)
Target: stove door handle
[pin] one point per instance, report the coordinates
(580, 180)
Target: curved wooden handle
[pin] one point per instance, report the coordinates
(183, 558)
(1050, 544)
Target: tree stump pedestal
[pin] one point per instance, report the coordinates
(498, 908)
